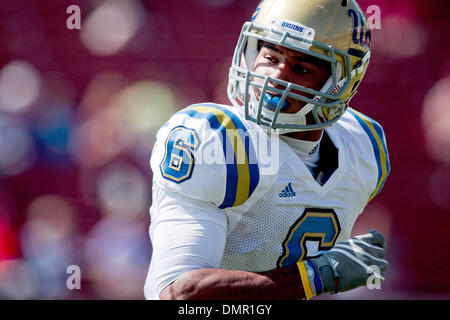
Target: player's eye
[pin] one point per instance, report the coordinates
(300, 69)
(271, 59)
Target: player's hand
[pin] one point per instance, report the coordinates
(349, 264)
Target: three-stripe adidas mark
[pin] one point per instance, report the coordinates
(288, 192)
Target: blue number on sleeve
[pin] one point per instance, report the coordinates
(178, 162)
(320, 225)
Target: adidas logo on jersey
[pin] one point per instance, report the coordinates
(288, 192)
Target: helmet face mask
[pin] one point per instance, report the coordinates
(263, 103)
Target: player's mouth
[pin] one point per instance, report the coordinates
(272, 99)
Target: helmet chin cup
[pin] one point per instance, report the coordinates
(269, 117)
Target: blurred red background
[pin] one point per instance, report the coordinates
(79, 110)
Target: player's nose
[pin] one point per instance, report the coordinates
(280, 72)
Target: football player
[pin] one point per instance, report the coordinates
(223, 225)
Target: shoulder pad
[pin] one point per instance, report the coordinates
(202, 152)
(375, 133)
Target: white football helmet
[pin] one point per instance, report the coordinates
(335, 31)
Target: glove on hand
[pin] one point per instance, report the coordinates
(347, 265)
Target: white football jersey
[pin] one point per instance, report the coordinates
(247, 200)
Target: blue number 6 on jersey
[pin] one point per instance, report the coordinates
(178, 162)
(320, 225)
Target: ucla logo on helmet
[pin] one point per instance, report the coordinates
(361, 34)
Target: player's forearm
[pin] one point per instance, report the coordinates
(217, 284)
